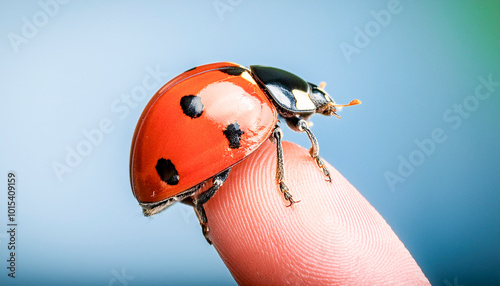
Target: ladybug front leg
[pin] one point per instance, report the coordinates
(217, 182)
(280, 171)
(299, 124)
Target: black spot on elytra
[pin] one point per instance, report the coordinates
(190, 69)
(233, 134)
(167, 172)
(233, 70)
(192, 106)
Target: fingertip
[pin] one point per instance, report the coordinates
(332, 236)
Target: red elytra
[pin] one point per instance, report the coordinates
(197, 147)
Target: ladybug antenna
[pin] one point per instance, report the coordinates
(339, 106)
(353, 102)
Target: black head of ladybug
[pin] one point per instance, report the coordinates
(324, 103)
(293, 95)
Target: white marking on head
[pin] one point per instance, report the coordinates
(304, 102)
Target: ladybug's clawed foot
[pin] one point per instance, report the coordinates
(322, 166)
(202, 217)
(204, 229)
(289, 198)
(286, 194)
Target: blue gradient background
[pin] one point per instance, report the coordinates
(87, 227)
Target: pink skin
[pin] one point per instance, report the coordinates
(333, 236)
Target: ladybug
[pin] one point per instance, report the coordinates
(209, 118)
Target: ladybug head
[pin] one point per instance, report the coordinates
(323, 101)
(295, 96)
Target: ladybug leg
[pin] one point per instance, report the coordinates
(217, 181)
(302, 126)
(280, 171)
(149, 209)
